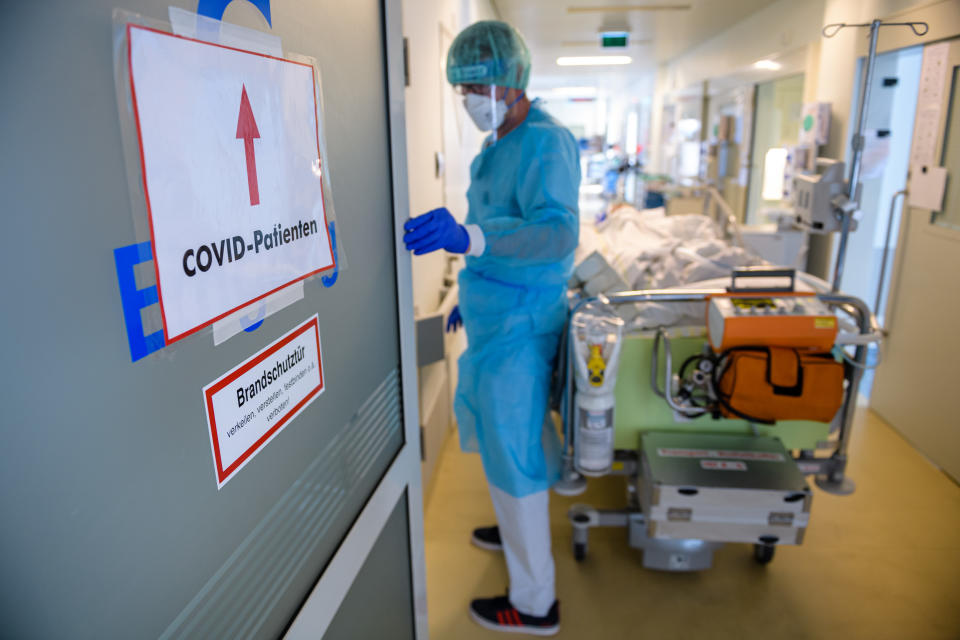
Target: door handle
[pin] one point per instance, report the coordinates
(886, 250)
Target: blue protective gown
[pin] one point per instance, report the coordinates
(523, 195)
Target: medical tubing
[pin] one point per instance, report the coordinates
(697, 357)
(691, 412)
(686, 363)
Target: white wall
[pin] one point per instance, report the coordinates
(581, 117)
(435, 124)
(422, 24)
(774, 32)
(777, 29)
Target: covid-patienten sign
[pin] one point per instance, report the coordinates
(230, 155)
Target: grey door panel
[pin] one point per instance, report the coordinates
(112, 522)
(379, 604)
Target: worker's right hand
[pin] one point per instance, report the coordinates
(454, 320)
(435, 230)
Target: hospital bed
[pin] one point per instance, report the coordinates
(696, 476)
(647, 248)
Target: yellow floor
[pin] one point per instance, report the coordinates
(882, 563)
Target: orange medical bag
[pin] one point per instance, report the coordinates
(767, 384)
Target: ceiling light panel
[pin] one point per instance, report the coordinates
(767, 65)
(634, 7)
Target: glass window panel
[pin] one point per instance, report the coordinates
(779, 104)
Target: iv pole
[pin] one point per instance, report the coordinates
(847, 205)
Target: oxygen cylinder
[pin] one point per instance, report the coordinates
(597, 337)
(594, 440)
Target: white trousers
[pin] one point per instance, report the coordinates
(525, 531)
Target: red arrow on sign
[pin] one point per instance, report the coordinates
(247, 129)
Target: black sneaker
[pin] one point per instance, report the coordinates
(497, 614)
(487, 538)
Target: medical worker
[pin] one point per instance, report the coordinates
(520, 233)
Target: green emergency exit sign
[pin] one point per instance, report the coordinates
(614, 39)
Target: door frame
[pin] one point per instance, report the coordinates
(917, 347)
(921, 412)
(402, 478)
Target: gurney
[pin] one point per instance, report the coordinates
(699, 474)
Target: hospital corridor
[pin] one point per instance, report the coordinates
(470, 319)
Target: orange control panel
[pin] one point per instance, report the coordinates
(797, 321)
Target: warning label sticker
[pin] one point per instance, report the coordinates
(768, 456)
(248, 406)
(723, 465)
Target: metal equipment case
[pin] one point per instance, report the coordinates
(722, 488)
(688, 492)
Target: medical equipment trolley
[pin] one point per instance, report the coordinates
(719, 449)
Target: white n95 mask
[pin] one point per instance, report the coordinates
(488, 114)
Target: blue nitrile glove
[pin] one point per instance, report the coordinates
(454, 321)
(434, 230)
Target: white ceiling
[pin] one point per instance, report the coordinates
(551, 31)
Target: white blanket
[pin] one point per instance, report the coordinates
(650, 250)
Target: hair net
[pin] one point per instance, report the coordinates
(489, 52)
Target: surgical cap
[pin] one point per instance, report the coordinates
(489, 52)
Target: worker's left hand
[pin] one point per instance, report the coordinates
(454, 320)
(436, 229)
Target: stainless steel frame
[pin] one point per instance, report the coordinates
(831, 470)
(693, 555)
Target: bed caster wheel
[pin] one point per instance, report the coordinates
(579, 551)
(763, 553)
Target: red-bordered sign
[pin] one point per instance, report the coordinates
(249, 180)
(254, 401)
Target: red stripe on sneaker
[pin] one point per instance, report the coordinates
(500, 617)
(516, 617)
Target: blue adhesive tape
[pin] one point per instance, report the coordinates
(215, 8)
(330, 280)
(133, 299)
(254, 326)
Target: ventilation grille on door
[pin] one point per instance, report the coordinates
(235, 602)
